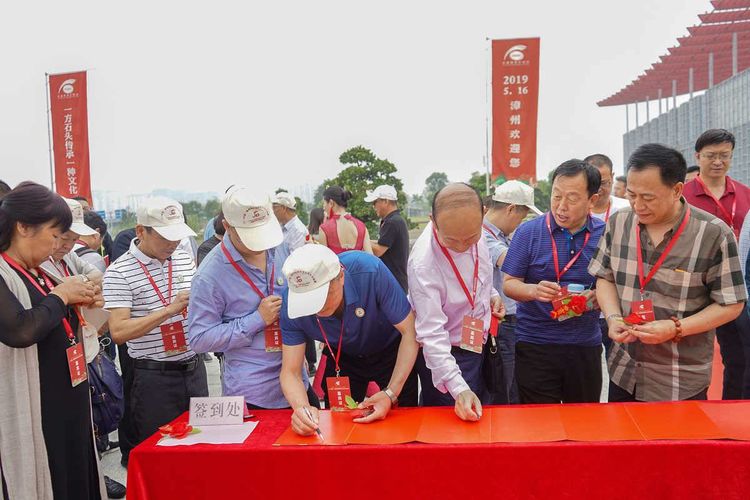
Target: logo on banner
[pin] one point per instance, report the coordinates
(67, 89)
(515, 56)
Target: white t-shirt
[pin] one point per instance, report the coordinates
(615, 204)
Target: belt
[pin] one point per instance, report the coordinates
(182, 366)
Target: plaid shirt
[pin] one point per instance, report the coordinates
(702, 268)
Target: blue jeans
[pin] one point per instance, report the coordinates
(470, 364)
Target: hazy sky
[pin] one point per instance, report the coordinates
(200, 96)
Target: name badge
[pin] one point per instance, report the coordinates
(472, 334)
(76, 364)
(562, 295)
(273, 337)
(173, 337)
(338, 390)
(644, 309)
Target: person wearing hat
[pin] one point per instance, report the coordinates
(354, 305)
(294, 230)
(558, 353)
(392, 245)
(506, 209)
(236, 298)
(146, 291)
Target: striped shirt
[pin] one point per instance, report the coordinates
(127, 286)
(702, 268)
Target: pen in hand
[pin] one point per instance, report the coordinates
(317, 429)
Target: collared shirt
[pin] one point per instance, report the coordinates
(74, 264)
(374, 303)
(615, 204)
(90, 256)
(697, 196)
(223, 317)
(702, 268)
(530, 259)
(440, 304)
(498, 244)
(395, 235)
(295, 234)
(127, 286)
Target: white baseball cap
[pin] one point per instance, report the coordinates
(382, 192)
(308, 271)
(78, 226)
(164, 215)
(251, 215)
(516, 193)
(286, 199)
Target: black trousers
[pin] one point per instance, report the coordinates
(377, 368)
(555, 373)
(125, 428)
(619, 395)
(159, 396)
(734, 343)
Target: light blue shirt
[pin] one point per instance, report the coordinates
(295, 233)
(744, 243)
(209, 232)
(498, 245)
(223, 317)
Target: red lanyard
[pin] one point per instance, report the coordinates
(63, 268)
(491, 232)
(609, 207)
(12, 263)
(246, 277)
(156, 288)
(338, 350)
(728, 218)
(643, 282)
(555, 258)
(472, 297)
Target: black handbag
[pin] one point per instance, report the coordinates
(107, 398)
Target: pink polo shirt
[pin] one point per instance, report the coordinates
(440, 304)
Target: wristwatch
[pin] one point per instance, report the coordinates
(391, 395)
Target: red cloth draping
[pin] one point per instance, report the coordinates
(566, 469)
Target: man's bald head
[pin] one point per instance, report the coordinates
(456, 195)
(457, 216)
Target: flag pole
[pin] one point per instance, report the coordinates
(488, 60)
(49, 134)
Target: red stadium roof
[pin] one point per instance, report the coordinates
(713, 36)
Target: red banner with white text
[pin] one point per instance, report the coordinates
(70, 134)
(515, 99)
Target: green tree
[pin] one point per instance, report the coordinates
(434, 183)
(542, 193)
(363, 172)
(302, 211)
(478, 181)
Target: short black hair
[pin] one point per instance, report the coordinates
(599, 160)
(622, 178)
(435, 205)
(714, 136)
(219, 223)
(575, 167)
(670, 162)
(693, 168)
(94, 221)
(34, 205)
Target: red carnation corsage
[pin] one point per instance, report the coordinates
(178, 430)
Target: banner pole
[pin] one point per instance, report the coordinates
(49, 134)
(488, 65)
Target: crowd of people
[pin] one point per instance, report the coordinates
(495, 302)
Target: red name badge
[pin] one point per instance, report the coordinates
(273, 337)
(472, 334)
(558, 302)
(173, 337)
(76, 364)
(644, 309)
(338, 390)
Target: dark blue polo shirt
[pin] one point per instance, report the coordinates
(530, 258)
(370, 288)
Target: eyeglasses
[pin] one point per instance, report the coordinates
(714, 156)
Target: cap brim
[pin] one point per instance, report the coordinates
(175, 232)
(82, 229)
(307, 303)
(371, 197)
(535, 210)
(262, 237)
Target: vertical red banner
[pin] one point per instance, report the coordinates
(70, 134)
(515, 101)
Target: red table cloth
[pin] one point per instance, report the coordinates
(564, 469)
